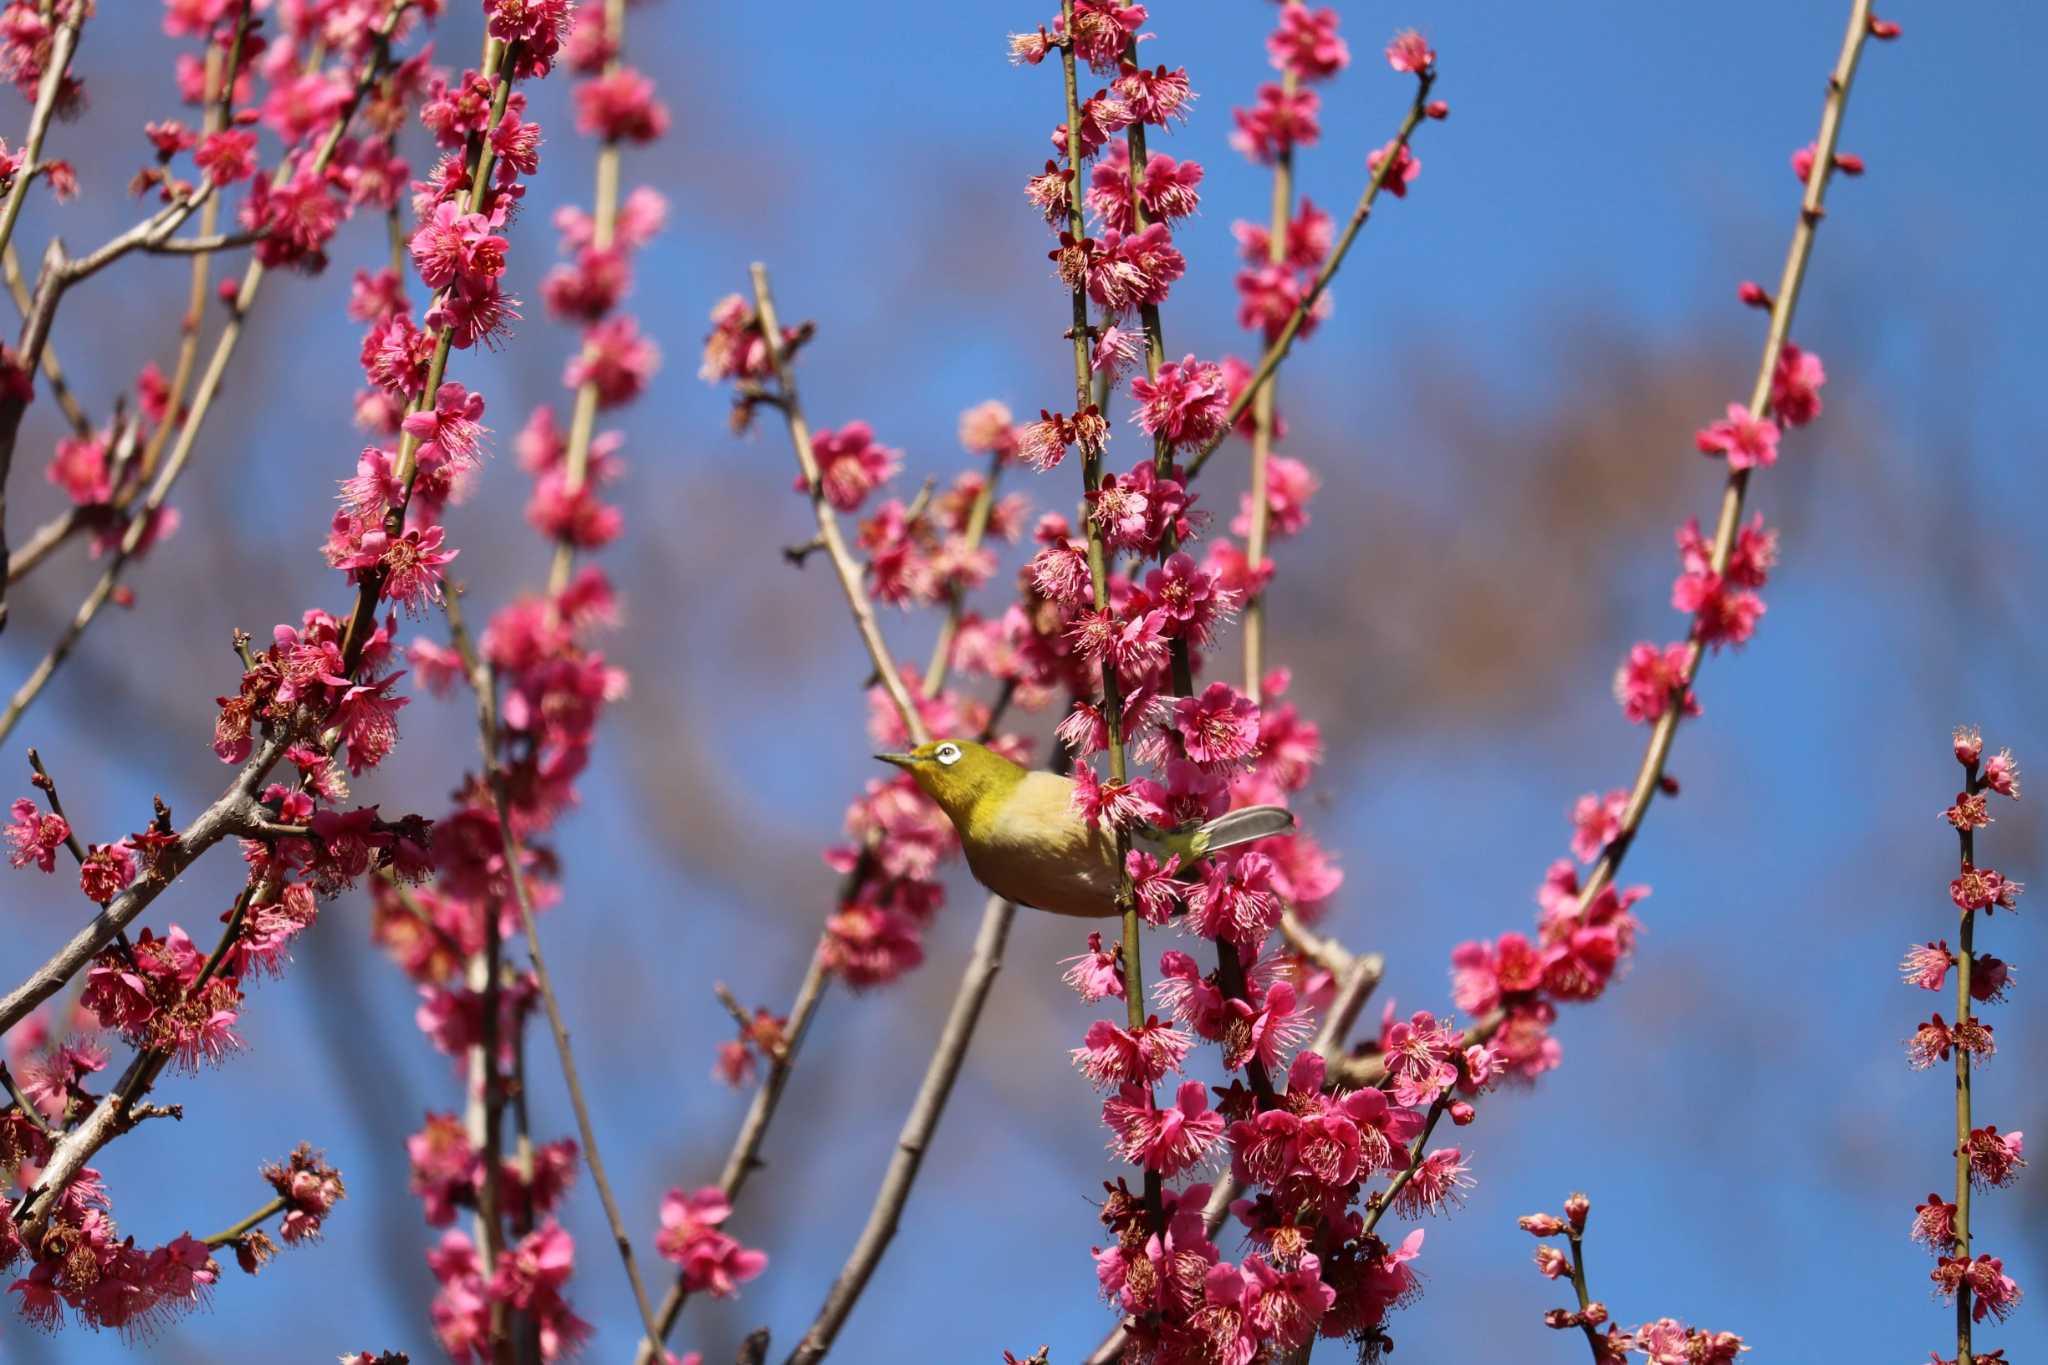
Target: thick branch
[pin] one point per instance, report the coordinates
(225, 817)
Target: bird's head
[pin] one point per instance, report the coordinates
(956, 773)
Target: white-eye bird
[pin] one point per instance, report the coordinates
(1026, 841)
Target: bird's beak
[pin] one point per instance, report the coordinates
(904, 761)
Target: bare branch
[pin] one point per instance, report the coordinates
(886, 671)
(915, 1138)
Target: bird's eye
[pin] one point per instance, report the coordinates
(948, 754)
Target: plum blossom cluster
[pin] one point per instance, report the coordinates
(1123, 613)
(1146, 630)
(290, 209)
(87, 1267)
(711, 1261)
(1586, 925)
(536, 665)
(1275, 280)
(1720, 580)
(1666, 1341)
(319, 700)
(1986, 1158)
(105, 1280)
(1303, 1164)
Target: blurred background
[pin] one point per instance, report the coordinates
(1501, 409)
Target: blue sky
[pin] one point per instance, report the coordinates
(1737, 1107)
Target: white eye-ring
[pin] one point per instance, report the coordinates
(948, 753)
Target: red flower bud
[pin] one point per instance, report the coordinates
(1575, 1211)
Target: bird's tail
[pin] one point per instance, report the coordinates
(1235, 827)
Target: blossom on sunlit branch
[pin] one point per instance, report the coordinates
(851, 464)
(1305, 43)
(1650, 679)
(1401, 174)
(1410, 52)
(1169, 1139)
(35, 835)
(710, 1260)
(1279, 122)
(1748, 442)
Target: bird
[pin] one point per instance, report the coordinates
(1025, 840)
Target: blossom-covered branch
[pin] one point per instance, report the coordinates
(1587, 925)
(88, 471)
(503, 1290)
(1984, 1157)
(1666, 1341)
(320, 693)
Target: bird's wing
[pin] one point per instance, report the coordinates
(1227, 830)
(1032, 847)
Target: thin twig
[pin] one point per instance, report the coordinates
(941, 665)
(886, 671)
(120, 1111)
(1601, 1356)
(543, 981)
(48, 785)
(744, 1158)
(1651, 771)
(915, 1138)
(203, 245)
(1284, 342)
(222, 73)
(1966, 954)
(235, 1232)
(1254, 618)
(22, 1102)
(60, 388)
(570, 1079)
(50, 536)
(56, 70)
(604, 213)
(1130, 946)
(225, 817)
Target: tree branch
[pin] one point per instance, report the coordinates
(915, 1138)
(1282, 344)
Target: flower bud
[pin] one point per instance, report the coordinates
(1438, 109)
(1540, 1224)
(1462, 1113)
(1969, 745)
(1752, 293)
(1575, 1210)
(1551, 1262)
(1884, 30)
